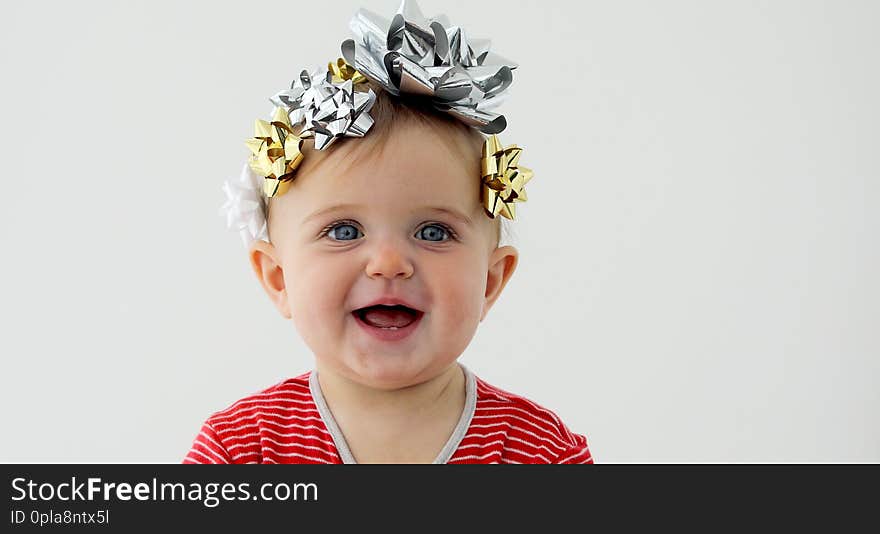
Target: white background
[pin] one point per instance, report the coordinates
(699, 253)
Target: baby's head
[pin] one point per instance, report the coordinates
(454, 140)
(395, 215)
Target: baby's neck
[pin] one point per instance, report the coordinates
(406, 425)
(417, 400)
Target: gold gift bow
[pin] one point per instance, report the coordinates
(342, 71)
(275, 152)
(503, 179)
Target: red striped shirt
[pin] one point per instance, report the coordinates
(285, 424)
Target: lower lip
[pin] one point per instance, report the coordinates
(387, 334)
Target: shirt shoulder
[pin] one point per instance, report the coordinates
(268, 398)
(278, 424)
(510, 428)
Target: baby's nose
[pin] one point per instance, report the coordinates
(389, 260)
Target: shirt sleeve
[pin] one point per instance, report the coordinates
(207, 448)
(579, 453)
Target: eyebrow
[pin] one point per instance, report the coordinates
(438, 209)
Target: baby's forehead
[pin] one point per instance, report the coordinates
(324, 213)
(384, 195)
(417, 171)
(409, 145)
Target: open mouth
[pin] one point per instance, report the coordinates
(388, 317)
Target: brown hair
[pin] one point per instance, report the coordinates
(389, 110)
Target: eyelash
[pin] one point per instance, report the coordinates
(327, 229)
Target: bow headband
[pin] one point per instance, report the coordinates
(408, 54)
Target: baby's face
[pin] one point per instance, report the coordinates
(400, 219)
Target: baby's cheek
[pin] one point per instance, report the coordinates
(462, 290)
(315, 288)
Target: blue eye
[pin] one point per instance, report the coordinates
(434, 232)
(347, 233)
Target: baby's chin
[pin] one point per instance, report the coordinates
(390, 372)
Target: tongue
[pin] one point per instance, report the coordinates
(385, 317)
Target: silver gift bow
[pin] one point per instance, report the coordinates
(417, 55)
(328, 109)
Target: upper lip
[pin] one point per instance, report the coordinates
(389, 301)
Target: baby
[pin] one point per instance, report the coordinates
(384, 251)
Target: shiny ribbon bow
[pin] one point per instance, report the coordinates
(245, 207)
(503, 178)
(413, 54)
(327, 105)
(275, 152)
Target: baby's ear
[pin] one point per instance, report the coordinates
(266, 263)
(502, 263)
